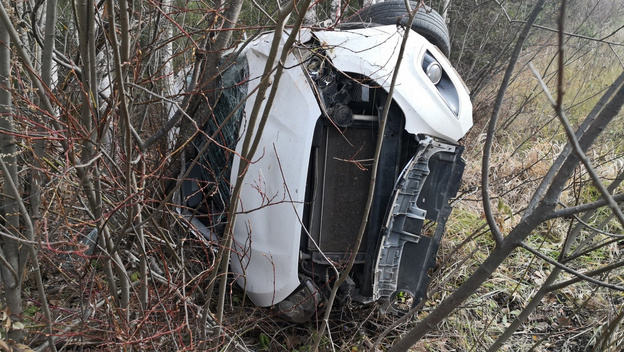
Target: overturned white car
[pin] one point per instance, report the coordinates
(303, 197)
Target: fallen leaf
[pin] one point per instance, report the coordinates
(22, 348)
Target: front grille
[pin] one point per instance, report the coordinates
(343, 174)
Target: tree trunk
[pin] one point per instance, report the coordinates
(336, 10)
(9, 248)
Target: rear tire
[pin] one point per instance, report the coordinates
(427, 21)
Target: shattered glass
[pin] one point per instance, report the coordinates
(216, 161)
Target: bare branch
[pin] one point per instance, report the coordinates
(21, 51)
(570, 270)
(569, 211)
(599, 271)
(579, 151)
(487, 148)
(29, 235)
(568, 34)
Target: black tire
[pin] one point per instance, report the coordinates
(427, 21)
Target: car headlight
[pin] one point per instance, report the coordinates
(432, 68)
(441, 81)
(314, 66)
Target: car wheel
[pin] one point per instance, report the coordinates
(427, 21)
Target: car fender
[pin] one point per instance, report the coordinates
(268, 227)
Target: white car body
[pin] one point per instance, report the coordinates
(274, 206)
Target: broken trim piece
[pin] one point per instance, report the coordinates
(404, 249)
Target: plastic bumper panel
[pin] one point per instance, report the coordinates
(406, 253)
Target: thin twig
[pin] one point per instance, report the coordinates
(568, 34)
(568, 269)
(489, 141)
